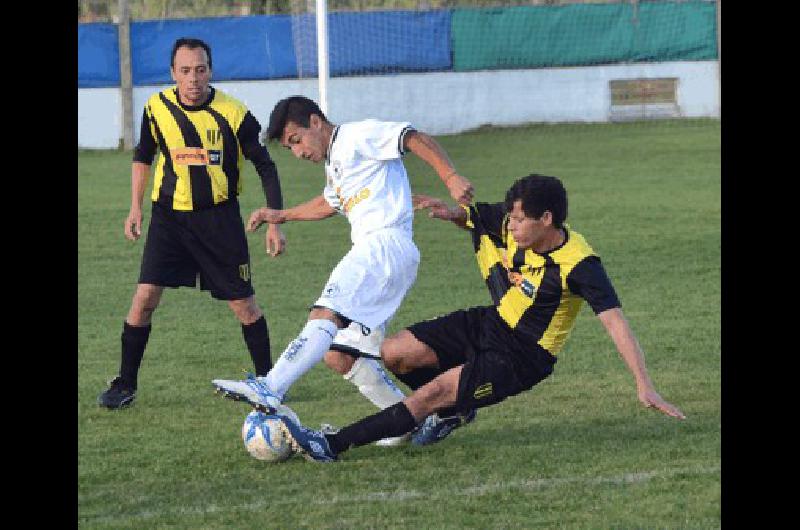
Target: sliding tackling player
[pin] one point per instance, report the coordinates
(538, 271)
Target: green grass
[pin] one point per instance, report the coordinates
(577, 451)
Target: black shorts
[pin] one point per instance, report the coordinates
(209, 245)
(495, 364)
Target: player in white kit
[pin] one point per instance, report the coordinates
(367, 182)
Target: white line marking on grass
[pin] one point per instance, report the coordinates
(431, 495)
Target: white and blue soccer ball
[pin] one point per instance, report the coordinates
(263, 437)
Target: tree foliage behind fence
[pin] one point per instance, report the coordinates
(107, 10)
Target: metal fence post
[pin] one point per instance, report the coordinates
(126, 83)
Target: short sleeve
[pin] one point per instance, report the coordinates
(145, 150)
(333, 199)
(381, 140)
(588, 279)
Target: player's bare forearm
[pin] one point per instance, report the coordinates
(429, 150)
(438, 209)
(313, 210)
(133, 223)
(628, 347)
(139, 175)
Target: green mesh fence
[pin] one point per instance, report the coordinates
(576, 35)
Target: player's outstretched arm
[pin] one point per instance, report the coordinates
(438, 209)
(429, 150)
(133, 223)
(313, 210)
(628, 347)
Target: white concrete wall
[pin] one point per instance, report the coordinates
(99, 118)
(438, 103)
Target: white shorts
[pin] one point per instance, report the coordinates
(353, 340)
(371, 280)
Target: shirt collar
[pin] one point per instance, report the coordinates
(330, 144)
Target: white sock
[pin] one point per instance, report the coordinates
(301, 355)
(374, 383)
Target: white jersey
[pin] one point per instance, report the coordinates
(366, 179)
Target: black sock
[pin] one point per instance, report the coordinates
(418, 377)
(446, 413)
(134, 341)
(392, 421)
(256, 336)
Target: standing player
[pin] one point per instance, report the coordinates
(366, 182)
(196, 230)
(538, 271)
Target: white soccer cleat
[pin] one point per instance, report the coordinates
(395, 441)
(253, 390)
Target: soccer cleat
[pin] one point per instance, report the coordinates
(310, 443)
(435, 429)
(394, 441)
(252, 390)
(118, 395)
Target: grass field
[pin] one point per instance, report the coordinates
(577, 451)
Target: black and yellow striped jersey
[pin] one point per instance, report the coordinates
(202, 148)
(537, 296)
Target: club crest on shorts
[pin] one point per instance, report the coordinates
(483, 391)
(244, 272)
(331, 290)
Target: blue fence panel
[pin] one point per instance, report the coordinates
(98, 55)
(263, 47)
(378, 42)
(254, 47)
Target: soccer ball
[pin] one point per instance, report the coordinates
(263, 437)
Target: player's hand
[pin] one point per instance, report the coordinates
(461, 189)
(275, 240)
(133, 224)
(264, 215)
(437, 208)
(651, 399)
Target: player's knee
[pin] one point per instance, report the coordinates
(339, 362)
(246, 310)
(318, 313)
(145, 302)
(393, 357)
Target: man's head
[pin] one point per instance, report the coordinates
(299, 124)
(191, 70)
(537, 208)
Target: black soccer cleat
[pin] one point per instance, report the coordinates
(435, 429)
(118, 395)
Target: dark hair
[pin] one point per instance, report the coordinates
(191, 44)
(539, 193)
(295, 108)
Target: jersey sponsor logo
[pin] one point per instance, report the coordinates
(483, 391)
(353, 201)
(244, 272)
(527, 288)
(195, 156)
